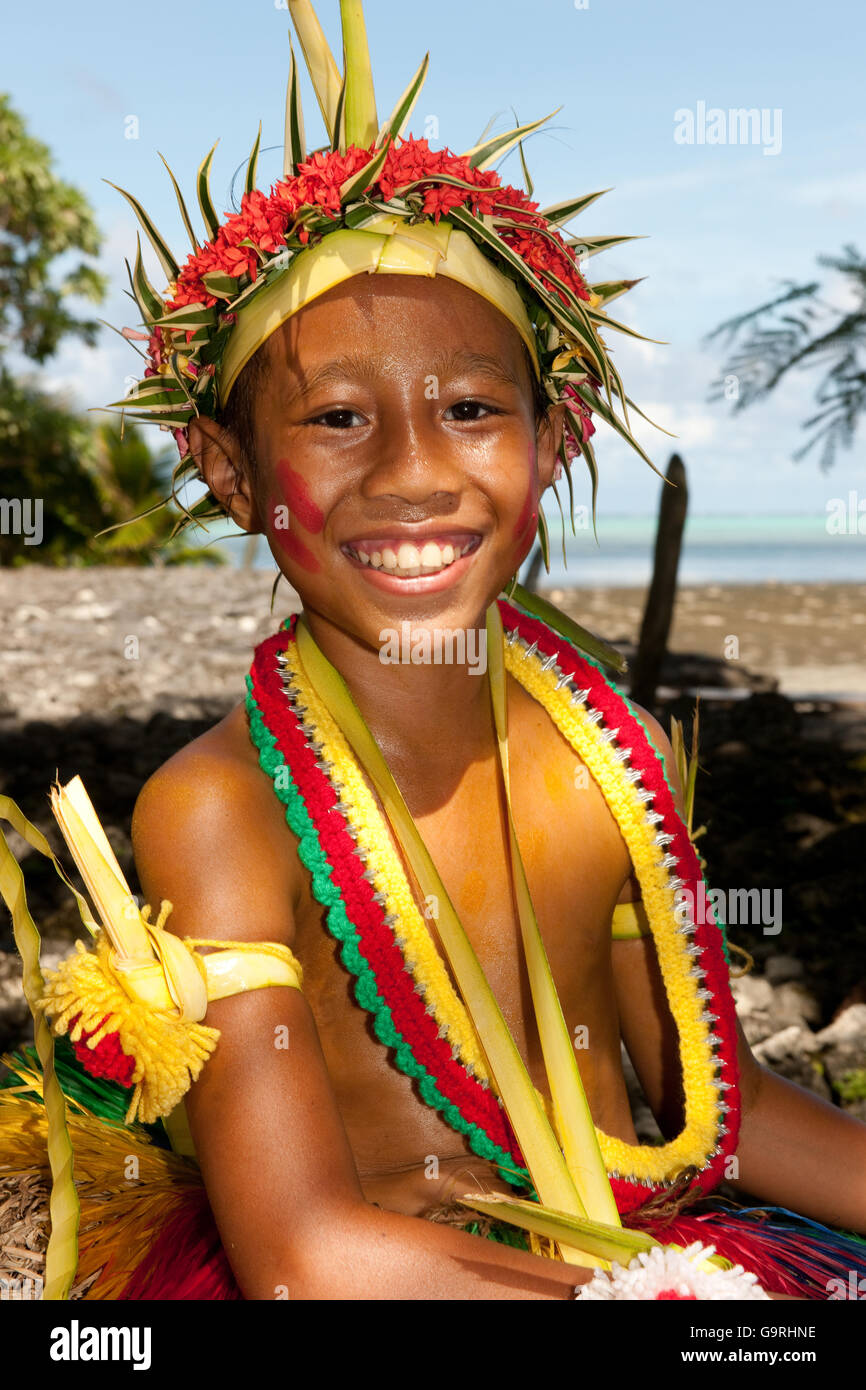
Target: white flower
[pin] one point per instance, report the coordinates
(677, 1273)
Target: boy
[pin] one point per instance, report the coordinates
(325, 1128)
(393, 434)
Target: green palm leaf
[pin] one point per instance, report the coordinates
(295, 146)
(206, 207)
(182, 205)
(166, 259)
(396, 122)
(499, 145)
(252, 162)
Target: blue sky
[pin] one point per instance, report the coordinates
(724, 223)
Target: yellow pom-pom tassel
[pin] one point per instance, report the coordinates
(168, 1052)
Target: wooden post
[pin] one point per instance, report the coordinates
(659, 610)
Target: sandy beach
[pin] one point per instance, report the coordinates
(128, 641)
(810, 639)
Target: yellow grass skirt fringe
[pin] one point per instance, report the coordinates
(127, 1186)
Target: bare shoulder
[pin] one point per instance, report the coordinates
(209, 834)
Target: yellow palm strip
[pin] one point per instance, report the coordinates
(700, 1131)
(607, 1242)
(323, 71)
(604, 1241)
(103, 877)
(369, 830)
(61, 1256)
(550, 1175)
(158, 968)
(570, 1107)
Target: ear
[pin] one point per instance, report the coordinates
(218, 457)
(549, 438)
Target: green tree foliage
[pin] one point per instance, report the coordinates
(87, 478)
(799, 330)
(41, 218)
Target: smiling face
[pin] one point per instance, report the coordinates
(398, 467)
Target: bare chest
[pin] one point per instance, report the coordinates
(575, 863)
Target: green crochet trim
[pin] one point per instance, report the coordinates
(340, 926)
(501, 1233)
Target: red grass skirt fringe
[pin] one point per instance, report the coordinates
(787, 1253)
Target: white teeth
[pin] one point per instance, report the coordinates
(431, 554)
(408, 561)
(408, 556)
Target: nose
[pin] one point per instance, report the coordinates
(410, 461)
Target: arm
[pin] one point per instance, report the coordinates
(798, 1150)
(795, 1149)
(274, 1153)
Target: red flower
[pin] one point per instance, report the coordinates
(265, 220)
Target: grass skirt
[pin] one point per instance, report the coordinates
(147, 1231)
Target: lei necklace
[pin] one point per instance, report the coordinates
(385, 943)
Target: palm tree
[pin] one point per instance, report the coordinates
(86, 481)
(799, 329)
(131, 482)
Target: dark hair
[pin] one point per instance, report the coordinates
(238, 415)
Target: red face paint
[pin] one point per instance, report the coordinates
(289, 542)
(297, 551)
(525, 513)
(524, 528)
(298, 499)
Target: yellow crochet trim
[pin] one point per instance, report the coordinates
(643, 1162)
(702, 1097)
(371, 834)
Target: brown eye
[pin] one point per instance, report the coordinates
(337, 419)
(468, 410)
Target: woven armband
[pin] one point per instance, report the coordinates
(139, 1021)
(629, 921)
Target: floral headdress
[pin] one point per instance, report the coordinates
(226, 298)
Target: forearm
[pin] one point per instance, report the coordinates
(799, 1151)
(365, 1253)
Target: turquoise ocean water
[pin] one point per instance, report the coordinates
(717, 550)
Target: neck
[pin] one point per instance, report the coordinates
(429, 703)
